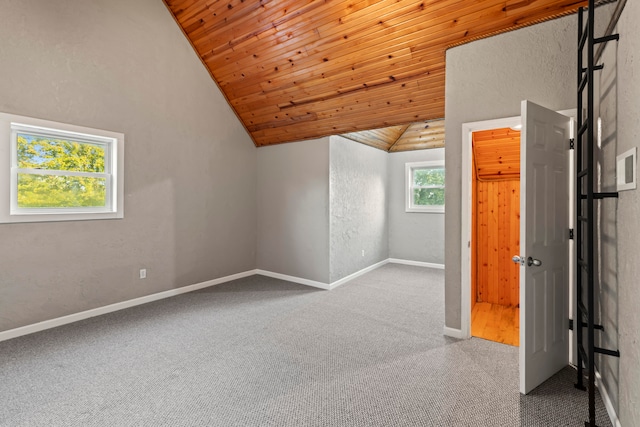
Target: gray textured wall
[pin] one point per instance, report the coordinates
(487, 79)
(414, 236)
(322, 202)
(189, 167)
(607, 228)
(628, 217)
(293, 209)
(358, 207)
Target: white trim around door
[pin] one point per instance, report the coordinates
(465, 251)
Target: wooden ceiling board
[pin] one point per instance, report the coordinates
(298, 96)
(303, 69)
(418, 146)
(353, 113)
(318, 73)
(496, 154)
(220, 45)
(420, 135)
(317, 70)
(428, 127)
(405, 95)
(410, 30)
(416, 136)
(378, 138)
(337, 128)
(420, 140)
(333, 26)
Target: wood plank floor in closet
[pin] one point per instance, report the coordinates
(496, 323)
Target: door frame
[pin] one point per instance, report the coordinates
(466, 217)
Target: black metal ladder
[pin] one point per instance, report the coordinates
(586, 199)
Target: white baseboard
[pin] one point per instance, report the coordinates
(615, 422)
(453, 333)
(75, 317)
(352, 276)
(321, 285)
(294, 279)
(416, 263)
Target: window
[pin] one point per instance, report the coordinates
(59, 172)
(425, 186)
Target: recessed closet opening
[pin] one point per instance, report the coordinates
(495, 235)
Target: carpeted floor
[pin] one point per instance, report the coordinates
(264, 352)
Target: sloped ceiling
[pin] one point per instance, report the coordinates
(496, 154)
(301, 69)
(415, 136)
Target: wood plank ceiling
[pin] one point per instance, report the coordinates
(302, 69)
(496, 154)
(414, 136)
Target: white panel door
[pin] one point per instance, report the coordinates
(544, 228)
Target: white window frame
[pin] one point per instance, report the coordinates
(409, 168)
(113, 143)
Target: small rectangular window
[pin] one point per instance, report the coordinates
(425, 186)
(59, 172)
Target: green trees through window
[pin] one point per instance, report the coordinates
(425, 189)
(60, 173)
(428, 186)
(54, 171)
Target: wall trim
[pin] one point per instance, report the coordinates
(465, 216)
(454, 333)
(416, 263)
(465, 212)
(615, 422)
(82, 315)
(333, 285)
(293, 279)
(352, 276)
(322, 285)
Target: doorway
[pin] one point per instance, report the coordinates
(495, 235)
(546, 172)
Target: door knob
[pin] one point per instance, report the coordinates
(534, 262)
(530, 261)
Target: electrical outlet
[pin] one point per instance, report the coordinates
(363, 252)
(143, 273)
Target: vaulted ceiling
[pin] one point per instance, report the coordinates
(302, 69)
(414, 136)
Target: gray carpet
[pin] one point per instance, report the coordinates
(264, 352)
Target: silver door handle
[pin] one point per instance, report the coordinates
(530, 261)
(518, 259)
(534, 262)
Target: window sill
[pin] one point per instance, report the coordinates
(85, 216)
(425, 210)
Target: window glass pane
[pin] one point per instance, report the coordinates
(428, 196)
(51, 191)
(428, 176)
(38, 152)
